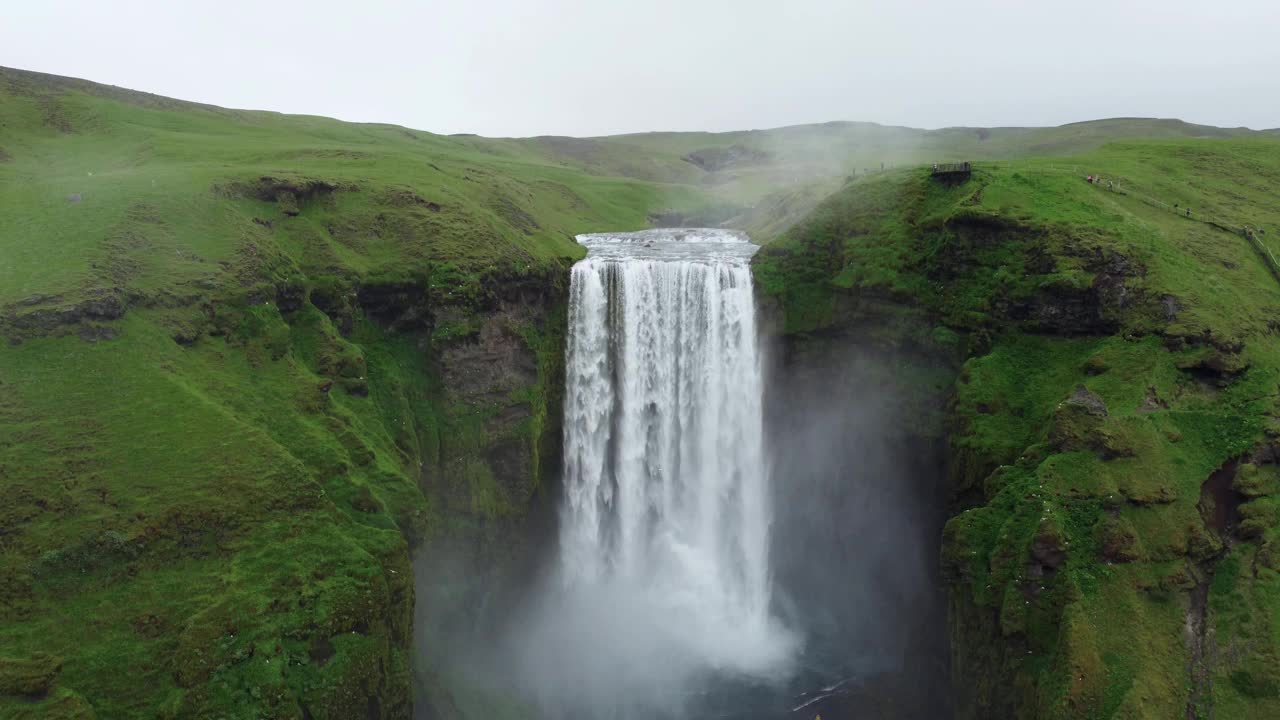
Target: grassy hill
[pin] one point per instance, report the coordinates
(765, 180)
(1113, 412)
(235, 383)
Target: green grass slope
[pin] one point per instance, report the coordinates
(234, 384)
(1114, 421)
(765, 180)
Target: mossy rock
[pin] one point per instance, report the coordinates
(209, 642)
(1081, 422)
(1258, 518)
(1269, 555)
(1118, 541)
(1254, 481)
(1014, 611)
(1217, 365)
(1135, 383)
(1049, 547)
(35, 675)
(61, 704)
(1095, 365)
(1258, 675)
(1201, 544)
(1179, 578)
(1081, 667)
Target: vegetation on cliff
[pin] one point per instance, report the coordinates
(1113, 422)
(248, 358)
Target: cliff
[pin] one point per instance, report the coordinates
(1110, 417)
(250, 361)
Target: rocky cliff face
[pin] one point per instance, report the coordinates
(854, 433)
(495, 382)
(1108, 428)
(250, 364)
(490, 458)
(423, 421)
(236, 391)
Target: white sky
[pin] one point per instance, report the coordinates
(588, 67)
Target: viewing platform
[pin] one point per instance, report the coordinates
(952, 171)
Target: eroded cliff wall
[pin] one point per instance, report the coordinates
(1110, 431)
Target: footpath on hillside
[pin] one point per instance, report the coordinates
(1253, 234)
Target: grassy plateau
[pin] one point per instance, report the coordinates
(1114, 420)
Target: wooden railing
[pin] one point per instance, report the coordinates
(1251, 234)
(1248, 233)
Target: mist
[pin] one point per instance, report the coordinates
(861, 500)
(651, 612)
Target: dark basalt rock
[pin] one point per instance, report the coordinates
(289, 193)
(723, 158)
(290, 297)
(1080, 423)
(274, 189)
(1089, 400)
(401, 307)
(490, 364)
(1049, 548)
(404, 197)
(34, 676)
(1216, 366)
(1118, 541)
(100, 306)
(1064, 308)
(95, 333)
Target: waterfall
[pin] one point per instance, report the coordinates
(666, 507)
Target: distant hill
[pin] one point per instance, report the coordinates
(787, 167)
(786, 170)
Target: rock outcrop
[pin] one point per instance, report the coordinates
(1109, 436)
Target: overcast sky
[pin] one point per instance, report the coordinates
(590, 67)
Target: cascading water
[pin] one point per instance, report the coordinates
(684, 585)
(665, 522)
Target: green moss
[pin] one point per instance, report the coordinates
(1087, 419)
(34, 676)
(228, 469)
